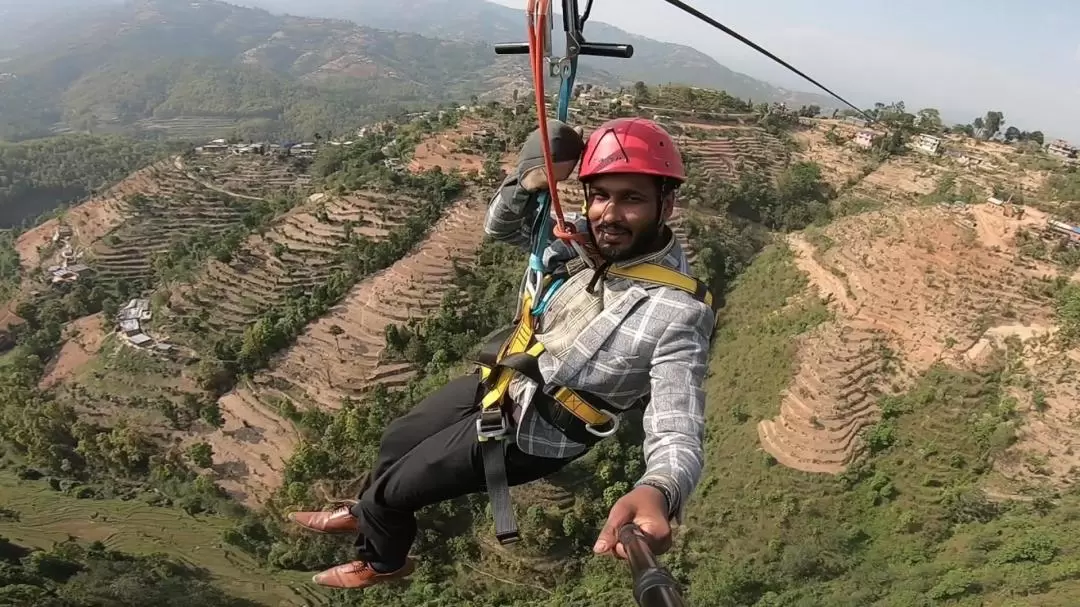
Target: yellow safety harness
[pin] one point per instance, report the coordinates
(582, 417)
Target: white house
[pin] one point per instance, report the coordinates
(927, 144)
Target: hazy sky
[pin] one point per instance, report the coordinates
(1021, 57)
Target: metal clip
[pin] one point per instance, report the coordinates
(491, 425)
(559, 67)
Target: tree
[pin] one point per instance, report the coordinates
(978, 123)
(964, 129)
(201, 454)
(1012, 133)
(1036, 136)
(929, 120)
(994, 120)
(337, 331)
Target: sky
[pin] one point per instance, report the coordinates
(964, 57)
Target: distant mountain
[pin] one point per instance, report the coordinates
(144, 63)
(653, 62)
(19, 19)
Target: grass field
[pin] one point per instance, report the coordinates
(47, 517)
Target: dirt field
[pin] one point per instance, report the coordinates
(250, 449)
(839, 164)
(82, 340)
(447, 150)
(909, 288)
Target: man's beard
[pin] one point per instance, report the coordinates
(639, 244)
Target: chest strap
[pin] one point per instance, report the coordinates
(581, 417)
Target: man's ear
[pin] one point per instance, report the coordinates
(669, 206)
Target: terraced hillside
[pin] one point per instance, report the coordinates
(909, 289)
(119, 232)
(725, 149)
(168, 208)
(299, 252)
(460, 148)
(338, 356)
(253, 175)
(193, 128)
(88, 221)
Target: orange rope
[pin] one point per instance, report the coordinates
(539, 11)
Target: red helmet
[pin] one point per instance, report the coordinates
(631, 145)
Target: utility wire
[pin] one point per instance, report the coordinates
(727, 30)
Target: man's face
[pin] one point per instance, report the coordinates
(622, 213)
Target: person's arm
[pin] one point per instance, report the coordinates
(511, 213)
(674, 420)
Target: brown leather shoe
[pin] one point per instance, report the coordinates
(358, 574)
(338, 520)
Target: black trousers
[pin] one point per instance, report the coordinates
(427, 456)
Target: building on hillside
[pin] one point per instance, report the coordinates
(140, 339)
(965, 158)
(307, 149)
(927, 144)
(1063, 150)
(249, 148)
(136, 309)
(212, 148)
(865, 139)
(66, 273)
(62, 232)
(129, 323)
(1070, 233)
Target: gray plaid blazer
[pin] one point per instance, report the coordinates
(640, 341)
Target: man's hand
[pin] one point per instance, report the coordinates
(647, 508)
(566, 146)
(535, 180)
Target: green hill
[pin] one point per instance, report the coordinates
(38, 176)
(131, 67)
(653, 62)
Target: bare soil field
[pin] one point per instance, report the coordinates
(838, 164)
(455, 149)
(909, 288)
(251, 447)
(167, 208)
(82, 340)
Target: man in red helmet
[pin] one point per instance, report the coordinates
(614, 322)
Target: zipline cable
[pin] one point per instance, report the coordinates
(727, 30)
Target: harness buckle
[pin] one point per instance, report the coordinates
(612, 419)
(491, 425)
